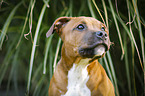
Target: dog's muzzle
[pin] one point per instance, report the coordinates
(97, 44)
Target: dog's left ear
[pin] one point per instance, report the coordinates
(56, 26)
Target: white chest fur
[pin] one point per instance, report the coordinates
(77, 79)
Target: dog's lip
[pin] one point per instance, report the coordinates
(88, 51)
(96, 45)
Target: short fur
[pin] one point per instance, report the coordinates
(81, 37)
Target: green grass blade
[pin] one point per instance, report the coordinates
(108, 53)
(35, 79)
(26, 19)
(117, 26)
(83, 5)
(108, 69)
(13, 69)
(56, 53)
(140, 32)
(34, 46)
(71, 8)
(106, 15)
(113, 72)
(50, 64)
(91, 9)
(99, 11)
(6, 62)
(133, 63)
(36, 74)
(7, 23)
(131, 36)
(39, 86)
(126, 59)
(47, 47)
(127, 66)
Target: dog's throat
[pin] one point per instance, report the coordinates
(77, 79)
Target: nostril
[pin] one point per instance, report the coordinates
(100, 34)
(105, 35)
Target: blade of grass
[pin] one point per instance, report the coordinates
(131, 36)
(13, 69)
(131, 31)
(91, 9)
(117, 27)
(36, 78)
(15, 79)
(132, 39)
(135, 92)
(138, 75)
(7, 23)
(140, 31)
(99, 11)
(134, 82)
(83, 5)
(39, 86)
(108, 53)
(26, 19)
(56, 53)
(106, 15)
(34, 46)
(108, 69)
(45, 91)
(50, 64)
(71, 8)
(113, 72)
(101, 61)
(30, 21)
(47, 47)
(6, 61)
(36, 74)
(127, 65)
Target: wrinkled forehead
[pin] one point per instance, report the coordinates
(89, 21)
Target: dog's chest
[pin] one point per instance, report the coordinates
(77, 79)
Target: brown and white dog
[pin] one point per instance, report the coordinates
(78, 73)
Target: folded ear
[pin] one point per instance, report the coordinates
(56, 26)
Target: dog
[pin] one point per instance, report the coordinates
(78, 73)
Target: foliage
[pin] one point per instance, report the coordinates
(28, 58)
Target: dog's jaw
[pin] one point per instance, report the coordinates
(99, 51)
(96, 52)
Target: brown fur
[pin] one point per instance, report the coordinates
(98, 83)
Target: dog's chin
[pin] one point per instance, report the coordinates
(99, 52)
(93, 53)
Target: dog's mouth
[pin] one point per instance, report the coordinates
(93, 51)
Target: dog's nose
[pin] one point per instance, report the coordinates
(102, 35)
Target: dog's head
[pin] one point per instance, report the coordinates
(84, 36)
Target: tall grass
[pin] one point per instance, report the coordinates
(28, 58)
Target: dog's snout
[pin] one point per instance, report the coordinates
(101, 35)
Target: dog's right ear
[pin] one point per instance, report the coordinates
(56, 26)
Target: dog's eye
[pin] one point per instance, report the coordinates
(80, 27)
(103, 28)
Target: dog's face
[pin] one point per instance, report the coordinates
(85, 36)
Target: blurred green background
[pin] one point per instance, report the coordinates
(27, 56)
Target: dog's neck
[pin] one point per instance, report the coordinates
(78, 75)
(69, 65)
